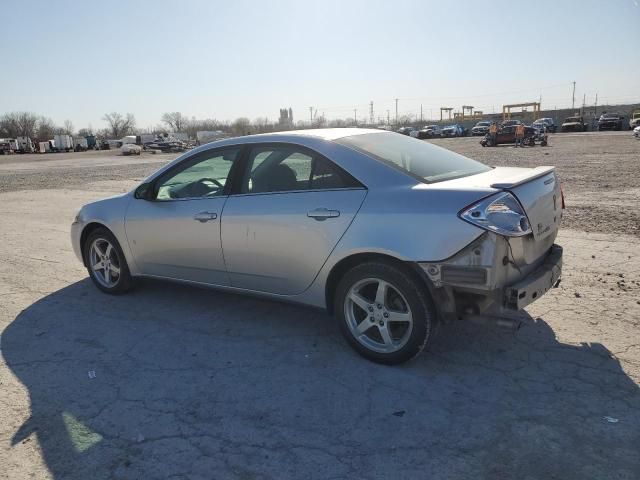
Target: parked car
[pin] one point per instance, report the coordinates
(510, 123)
(635, 120)
(8, 146)
(406, 130)
(573, 124)
(636, 132)
(455, 130)
(507, 135)
(428, 131)
(610, 121)
(389, 233)
(547, 122)
(480, 128)
(131, 149)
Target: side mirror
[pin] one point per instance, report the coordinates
(144, 192)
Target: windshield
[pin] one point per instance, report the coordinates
(420, 159)
(610, 115)
(572, 119)
(483, 124)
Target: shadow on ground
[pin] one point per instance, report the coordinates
(198, 384)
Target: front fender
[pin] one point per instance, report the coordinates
(109, 213)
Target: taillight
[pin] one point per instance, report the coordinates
(500, 213)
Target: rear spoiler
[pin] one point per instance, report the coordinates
(523, 177)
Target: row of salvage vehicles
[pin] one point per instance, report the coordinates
(59, 143)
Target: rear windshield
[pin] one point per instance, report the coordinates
(424, 161)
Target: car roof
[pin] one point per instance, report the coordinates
(324, 133)
(293, 136)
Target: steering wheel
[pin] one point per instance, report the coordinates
(213, 180)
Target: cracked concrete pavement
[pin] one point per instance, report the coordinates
(185, 383)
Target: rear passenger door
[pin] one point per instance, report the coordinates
(292, 208)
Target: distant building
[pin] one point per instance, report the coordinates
(286, 117)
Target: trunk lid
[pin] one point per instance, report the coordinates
(537, 190)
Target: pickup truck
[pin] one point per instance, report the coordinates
(635, 120)
(573, 124)
(610, 121)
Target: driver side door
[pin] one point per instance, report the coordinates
(175, 232)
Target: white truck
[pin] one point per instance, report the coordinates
(25, 145)
(44, 147)
(80, 144)
(63, 143)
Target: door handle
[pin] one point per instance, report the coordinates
(323, 213)
(203, 217)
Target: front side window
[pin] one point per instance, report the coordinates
(288, 168)
(420, 159)
(204, 176)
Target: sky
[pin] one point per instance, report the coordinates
(78, 60)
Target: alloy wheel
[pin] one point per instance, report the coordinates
(104, 262)
(378, 315)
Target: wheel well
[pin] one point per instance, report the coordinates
(346, 264)
(88, 229)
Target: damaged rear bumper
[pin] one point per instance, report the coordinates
(537, 283)
(494, 275)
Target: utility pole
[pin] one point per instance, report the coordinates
(421, 112)
(396, 112)
(584, 101)
(595, 107)
(388, 118)
(355, 116)
(311, 116)
(573, 97)
(371, 112)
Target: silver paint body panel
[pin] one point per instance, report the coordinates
(266, 244)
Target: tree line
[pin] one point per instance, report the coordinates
(42, 128)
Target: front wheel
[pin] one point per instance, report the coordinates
(105, 262)
(385, 313)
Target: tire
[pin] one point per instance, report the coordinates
(383, 339)
(116, 284)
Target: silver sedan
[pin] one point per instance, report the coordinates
(389, 233)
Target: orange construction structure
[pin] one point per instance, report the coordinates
(506, 109)
(445, 109)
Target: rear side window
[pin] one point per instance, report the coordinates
(422, 160)
(287, 168)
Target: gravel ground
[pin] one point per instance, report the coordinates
(184, 383)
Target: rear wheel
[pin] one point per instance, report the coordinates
(105, 262)
(384, 312)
